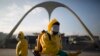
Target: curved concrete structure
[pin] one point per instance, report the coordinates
(50, 6)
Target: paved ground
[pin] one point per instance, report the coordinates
(11, 52)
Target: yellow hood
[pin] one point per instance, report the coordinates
(51, 24)
(21, 35)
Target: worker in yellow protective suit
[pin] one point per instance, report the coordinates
(22, 45)
(51, 45)
(50, 42)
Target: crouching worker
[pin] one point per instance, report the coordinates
(49, 42)
(22, 45)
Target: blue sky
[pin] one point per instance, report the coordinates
(88, 10)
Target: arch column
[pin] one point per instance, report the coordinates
(50, 6)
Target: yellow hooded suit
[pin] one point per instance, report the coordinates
(53, 46)
(50, 47)
(22, 46)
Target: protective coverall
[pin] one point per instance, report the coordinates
(22, 45)
(50, 47)
(53, 46)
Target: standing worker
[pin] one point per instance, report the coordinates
(49, 42)
(22, 45)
